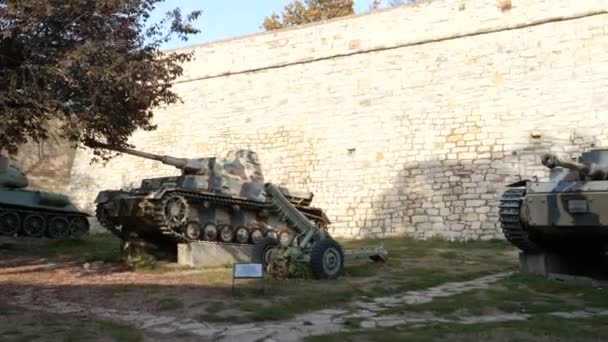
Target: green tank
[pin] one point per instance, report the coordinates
(566, 214)
(37, 214)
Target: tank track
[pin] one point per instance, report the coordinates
(509, 214)
(46, 214)
(192, 199)
(105, 222)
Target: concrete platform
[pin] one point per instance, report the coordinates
(212, 254)
(563, 266)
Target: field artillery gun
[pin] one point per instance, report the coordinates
(306, 245)
(567, 214)
(36, 214)
(219, 199)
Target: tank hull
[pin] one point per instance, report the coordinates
(563, 217)
(173, 215)
(40, 214)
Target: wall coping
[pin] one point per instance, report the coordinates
(373, 31)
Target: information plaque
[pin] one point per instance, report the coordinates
(247, 270)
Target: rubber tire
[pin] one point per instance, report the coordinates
(316, 259)
(260, 248)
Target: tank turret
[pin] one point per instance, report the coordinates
(585, 170)
(11, 176)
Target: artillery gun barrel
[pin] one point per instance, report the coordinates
(177, 162)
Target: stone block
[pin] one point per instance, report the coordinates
(211, 254)
(549, 265)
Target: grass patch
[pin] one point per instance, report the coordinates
(61, 327)
(540, 328)
(411, 265)
(169, 304)
(516, 294)
(215, 307)
(289, 306)
(120, 332)
(98, 247)
(582, 292)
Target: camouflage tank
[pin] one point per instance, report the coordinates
(214, 199)
(33, 213)
(567, 214)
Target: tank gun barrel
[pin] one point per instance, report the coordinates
(180, 163)
(551, 161)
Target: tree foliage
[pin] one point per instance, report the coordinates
(91, 70)
(298, 12)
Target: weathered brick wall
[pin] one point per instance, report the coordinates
(47, 164)
(409, 120)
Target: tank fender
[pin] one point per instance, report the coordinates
(517, 184)
(52, 199)
(159, 193)
(106, 195)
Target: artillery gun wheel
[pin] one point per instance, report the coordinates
(326, 259)
(241, 235)
(262, 249)
(226, 233)
(209, 232)
(34, 225)
(175, 211)
(58, 227)
(79, 226)
(9, 223)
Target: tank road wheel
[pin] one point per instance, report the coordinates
(271, 233)
(10, 222)
(209, 232)
(34, 225)
(176, 211)
(241, 235)
(326, 259)
(226, 233)
(256, 235)
(59, 227)
(262, 249)
(79, 226)
(193, 230)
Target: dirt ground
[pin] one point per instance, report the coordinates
(81, 290)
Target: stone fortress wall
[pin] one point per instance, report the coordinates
(404, 121)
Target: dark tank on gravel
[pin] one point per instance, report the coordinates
(214, 199)
(36, 214)
(567, 214)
